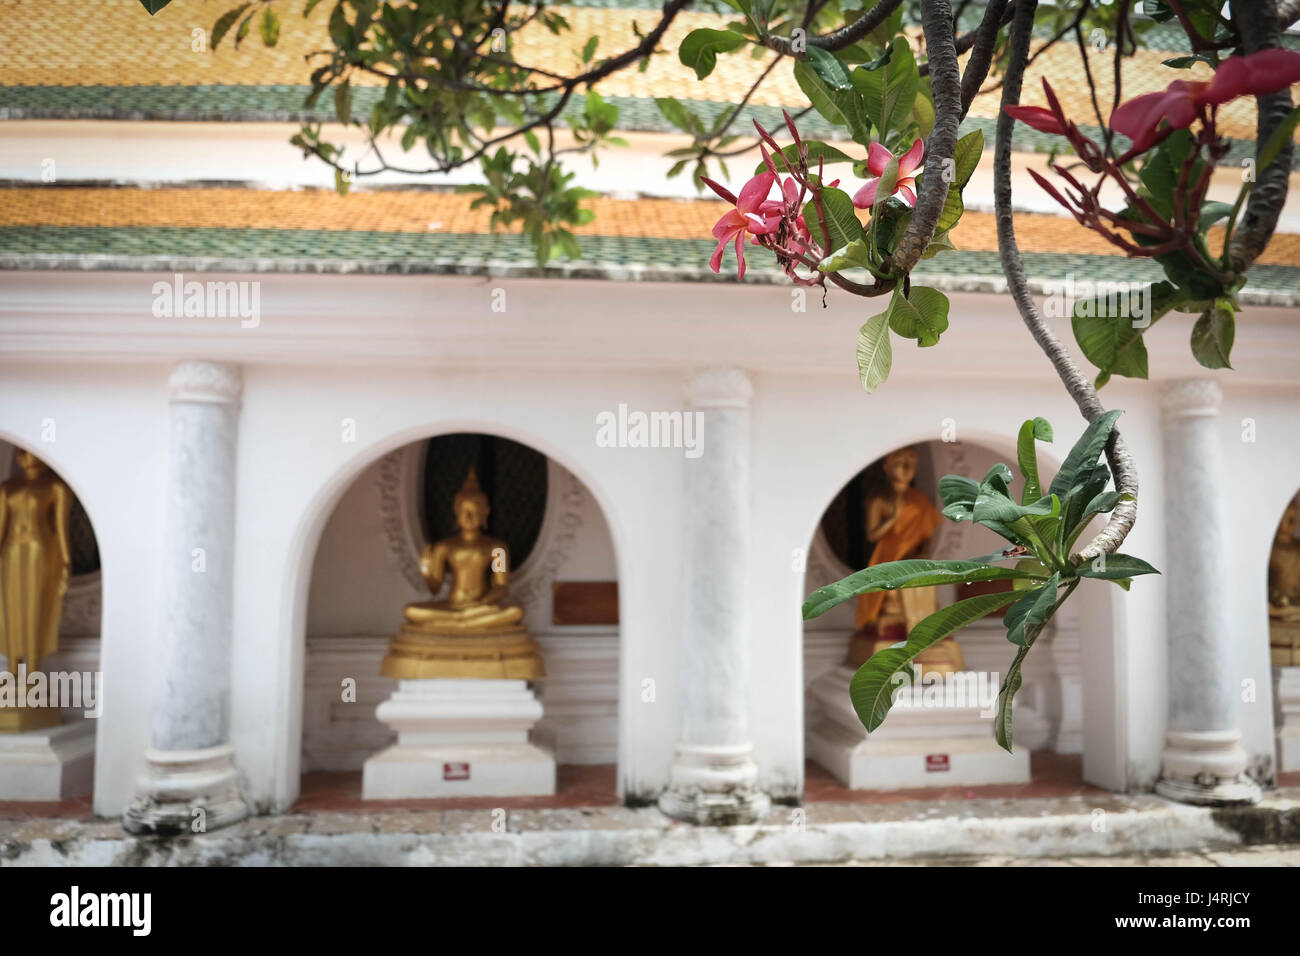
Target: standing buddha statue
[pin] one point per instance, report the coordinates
(900, 522)
(35, 559)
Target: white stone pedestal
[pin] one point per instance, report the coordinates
(460, 738)
(920, 744)
(1286, 692)
(54, 763)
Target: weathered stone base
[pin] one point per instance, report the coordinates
(186, 792)
(1099, 827)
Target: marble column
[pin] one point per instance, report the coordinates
(1203, 761)
(714, 778)
(189, 784)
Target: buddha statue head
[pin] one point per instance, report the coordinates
(900, 468)
(31, 466)
(471, 505)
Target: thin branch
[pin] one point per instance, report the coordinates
(1076, 383)
(981, 58)
(843, 37)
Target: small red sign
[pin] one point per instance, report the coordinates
(936, 763)
(460, 771)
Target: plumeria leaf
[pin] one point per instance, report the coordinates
(816, 152)
(1081, 462)
(921, 315)
(1114, 567)
(829, 68)
(912, 573)
(1213, 333)
(875, 354)
(1034, 429)
(842, 222)
(854, 255)
(700, 49)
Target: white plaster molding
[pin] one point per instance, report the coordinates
(217, 382)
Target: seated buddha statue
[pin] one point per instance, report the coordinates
(900, 522)
(479, 568)
(1284, 590)
(473, 632)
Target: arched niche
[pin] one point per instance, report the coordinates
(1049, 706)
(76, 662)
(1284, 636)
(365, 568)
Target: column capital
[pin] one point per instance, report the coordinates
(1191, 396)
(206, 382)
(720, 387)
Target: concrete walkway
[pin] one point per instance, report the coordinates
(1062, 830)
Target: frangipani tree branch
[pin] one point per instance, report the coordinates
(1076, 382)
(1257, 21)
(842, 38)
(945, 83)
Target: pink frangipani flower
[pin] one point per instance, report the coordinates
(1142, 118)
(909, 166)
(754, 215)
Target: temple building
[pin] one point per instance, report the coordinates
(268, 402)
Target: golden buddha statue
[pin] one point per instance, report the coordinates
(34, 566)
(472, 632)
(900, 522)
(1284, 590)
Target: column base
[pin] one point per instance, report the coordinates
(460, 738)
(50, 764)
(715, 786)
(185, 792)
(1205, 768)
(1286, 694)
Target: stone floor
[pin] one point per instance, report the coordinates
(1095, 827)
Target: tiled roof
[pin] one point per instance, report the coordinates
(426, 230)
(125, 63)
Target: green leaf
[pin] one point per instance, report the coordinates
(953, 207)
(1275, 142)
(958, 490)
(966, 157)
(889, 93)
(225, 22)
(589, 49)
(1113, 342)
(1010, 685)
(841, 220)
(921, 315)
(829, 68)
(854, 255)
(1213, 333)
(343, 101)
(269, 26)
(700, 49)
(1114, 567)
(243, 29)
(153, 6)
(872, 688)
(1082, 458)
(674, 112)
(1034, 429)
(875, 354)
(1002, 510)
(816, 151)
(837, 107)
(912, 573)
(1028, 615)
